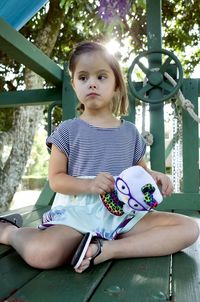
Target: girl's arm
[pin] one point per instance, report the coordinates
(161, 179)
(63, 183)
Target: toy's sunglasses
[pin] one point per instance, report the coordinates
(133, 203)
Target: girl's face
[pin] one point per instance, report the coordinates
(94, 82)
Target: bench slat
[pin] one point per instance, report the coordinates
(140, 280)
(14, 274)
(61, 284)
(186, 271)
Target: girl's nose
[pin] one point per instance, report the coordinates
(92, 84)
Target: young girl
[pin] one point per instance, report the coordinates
(86, 153)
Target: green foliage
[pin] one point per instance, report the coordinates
(181, 24)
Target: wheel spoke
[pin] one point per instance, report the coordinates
(166, 86)
(144, 69)
(146, 88)
(165, 65)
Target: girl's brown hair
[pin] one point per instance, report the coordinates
(120, 100)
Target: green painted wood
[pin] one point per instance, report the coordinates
(61, 284)
(154, 37)
(69, 100)
(14, 274)
(191, 177)
(34, 215)
(30, 213)
(135, 280)
(17, 47)
(30, 97)
(186, 271)
(185, 201)
(154, 41)
(4, 250)
(29, 210)
(198, 86)
(46, 197)
(157, 150)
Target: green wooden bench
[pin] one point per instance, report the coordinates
(172, 278)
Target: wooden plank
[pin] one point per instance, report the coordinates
(14, 274)
(36, 214)
(4, 250)
(191, 177)
(140, 280)
(46, 197)
(61, 284)
(29, 97)
(69, 99)
(19, 48)
(186, 271)
(182, 201)
(30, 213)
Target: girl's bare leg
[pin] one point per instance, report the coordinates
(156, 234)
(41, 248)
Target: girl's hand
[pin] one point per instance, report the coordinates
(102, 183)
(164, 181)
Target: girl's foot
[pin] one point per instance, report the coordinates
(9, 223)
(5, 229)
(89, 260)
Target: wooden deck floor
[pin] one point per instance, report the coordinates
(173, 278)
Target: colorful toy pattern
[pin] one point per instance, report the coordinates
(148, 191)
(112, 203)
(135, 190)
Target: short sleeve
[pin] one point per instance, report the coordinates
(60, 138)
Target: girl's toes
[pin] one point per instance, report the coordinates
(84, 265)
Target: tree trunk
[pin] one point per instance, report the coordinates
(26, 119)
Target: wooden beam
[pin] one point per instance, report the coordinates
(30, 97)
(181, 201)
(19, 48)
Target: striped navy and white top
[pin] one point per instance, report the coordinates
(91, 150)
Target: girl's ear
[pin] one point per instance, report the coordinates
(72, 83)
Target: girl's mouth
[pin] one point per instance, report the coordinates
(92, 94)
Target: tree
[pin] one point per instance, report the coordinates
(26, 119)
(46, 31)
(55, 30)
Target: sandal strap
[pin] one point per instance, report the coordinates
(99, 242)
(14, 219)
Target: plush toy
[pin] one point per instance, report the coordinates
(135, 190)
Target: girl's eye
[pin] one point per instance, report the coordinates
(122, 186)
(82, 78)
(102, 77)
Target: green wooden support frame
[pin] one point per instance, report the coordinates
(191, 183)
(154, 41)
(68, 96)
(18, 48)
(23, 51)
(30, 97)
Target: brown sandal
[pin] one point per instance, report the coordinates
(14, 219)
(83, 247)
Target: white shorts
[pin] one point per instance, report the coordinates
(87, 213)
